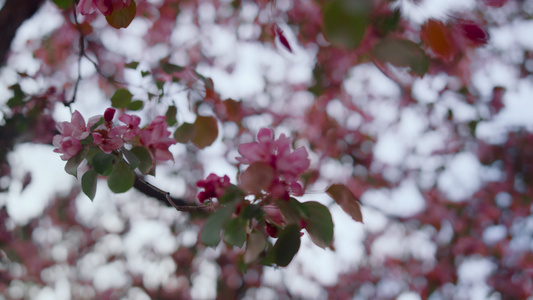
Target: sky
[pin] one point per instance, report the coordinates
(405, 144)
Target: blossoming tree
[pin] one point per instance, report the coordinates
(300, 148)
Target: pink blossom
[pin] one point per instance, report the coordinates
(108, 140)
(131, 130)
(66, 145)
(277, 153)
(156, 137)
(214, 187)
(70, 134)
(76, 128)
(106, 7)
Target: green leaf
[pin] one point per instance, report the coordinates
(121, 178)
(122, 18)
(255, 245)
(101, 162)
(232, 195)
(88, 183)
(206, 131)
(344, 197)
(145, 159)
(63, 4)
(252, 211)
(121, 98)
(402, 53)
(133, 160)
(145, 73)
(293, 211)
(319, 224)
(136, 105)
(345, 21)
(132, 65)
(286, 247)
(72, 164)
(171, 115)
(170, 68)
(235, 233)
(185, 133)
(210, 235)
(18, 96)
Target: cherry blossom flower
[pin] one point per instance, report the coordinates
(108, 140)
(131, 130)
(66, 145)
(156, 137)
(106, 7)
(277, 153)
(76, 128)
(70, 134)
(214, 187)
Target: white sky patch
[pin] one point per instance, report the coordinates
(494, 234)
(404, 201)
(112, 275)
(368, 78)
(462, 178)
(420, 11)
(390, 149)
(493, 73)
(426, 89)
(48, 180)
(473, 273)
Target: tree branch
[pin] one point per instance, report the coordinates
(152, 191)
(12, 15)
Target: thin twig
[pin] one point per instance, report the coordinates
(80, 55)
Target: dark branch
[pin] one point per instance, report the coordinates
(12, 15)
(152, 191)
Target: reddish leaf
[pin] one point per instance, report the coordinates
(495, 3)
(344, 197)
(282, 38)
(438, 37)
(258, 177)
(475, 33)
(206, 131)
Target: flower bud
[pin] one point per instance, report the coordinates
(109, 114)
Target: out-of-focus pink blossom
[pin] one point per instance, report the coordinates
(277, 153)
(108, 140)
(131, 130)
(156, 137)
(106, 7)
(214, 187)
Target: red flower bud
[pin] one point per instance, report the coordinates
(109, 114)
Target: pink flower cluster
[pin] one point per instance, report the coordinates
(109, 137)
(68, 141)
(288, 165)
(214, 187)
(106, 7)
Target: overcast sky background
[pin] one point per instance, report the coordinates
(399, 146)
